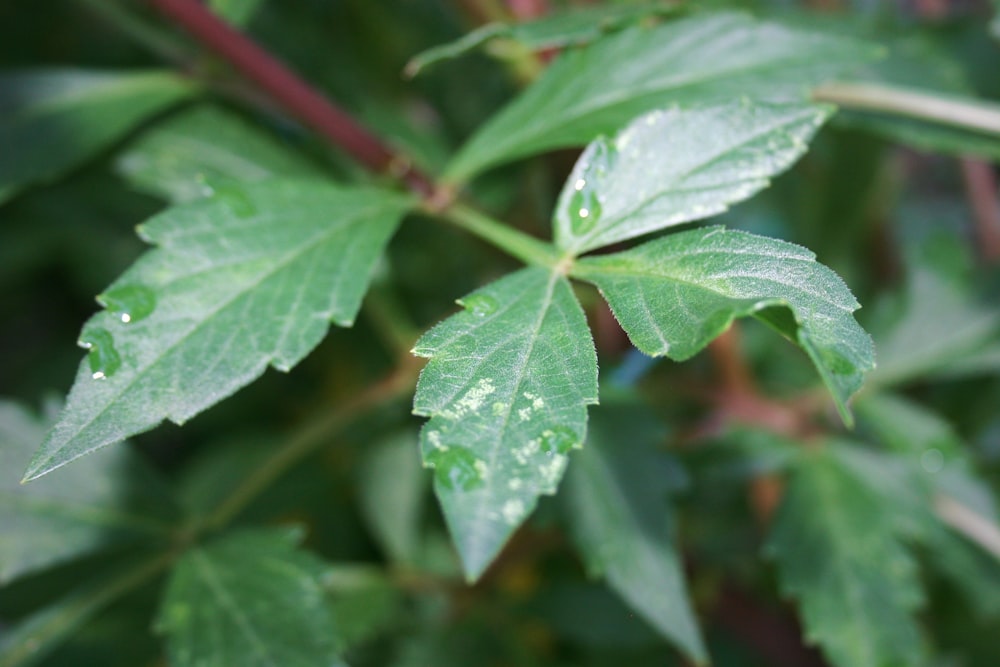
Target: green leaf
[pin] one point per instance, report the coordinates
(108, 499)
(834, 545)
(698, 60)
(507, 390)
(617, 490)
(247, 279)
(393, 486)
(553, 31)
(193, 153)
(671, 167)
(675, 294)
(237, 12)
(54, 119)
(250, 599)
(36, 636)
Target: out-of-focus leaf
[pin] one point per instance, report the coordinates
(837, 553)
(675, 294)
(251, 599)
(363, 599)
(393, 486)
(507, 389)
(617, 494)
(671, 167)
(556, 30)
(237, 12)
(54, 119)
(940, 328)
(190, 155)
(36, 636)
(107, 500)
(975, 573)
(699, 60)
(249, 278)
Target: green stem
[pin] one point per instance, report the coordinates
(159, 42)
(512, 241)
(953, 111)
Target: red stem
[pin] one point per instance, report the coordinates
(981, 187)
(292, 93)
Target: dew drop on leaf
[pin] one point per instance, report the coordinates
(480, 305)
(129, 302)
(584, 203)
(456, 468)
(103, 357)
(238, 202)
(558, 440)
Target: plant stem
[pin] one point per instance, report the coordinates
(290, 92)
(967, 114)
(512, 241)
(309, 439)
(160, 43)
(981, 187)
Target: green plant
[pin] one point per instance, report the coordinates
(289, 525)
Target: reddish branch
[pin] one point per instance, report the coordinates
(289, 91)
(981, 188)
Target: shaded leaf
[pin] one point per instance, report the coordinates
(836, 551)
(393, 486)
(237, 12)
(555, 30)
(191, 154)
(251, 599)
(671, 167)
(108, 499)
(507, 389)
(675, 294)
(618, 488)
(698, 60)
(364, 600)
(54, 119)
(247, 279)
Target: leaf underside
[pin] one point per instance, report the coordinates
(698, 60)
(249, 278)
(506, 389)
(674, 295)
(674, 166)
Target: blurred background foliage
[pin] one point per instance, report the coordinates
(897, 222)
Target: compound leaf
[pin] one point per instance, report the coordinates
(54, 119)
(507, 389)
(249, 599)
(248, 278)
(675, 294)
(108, 499)
(617, 489)
(698, 60)
(836, 550)
(671, 167)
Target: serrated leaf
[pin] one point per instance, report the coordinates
(698, 60)
(247, 279)
(675, 294)
(393, 486)
(616, 493)
(671, 167)
(54, 119)
(507, 389)
(109, 499)
(250, 599)
(555, 30)
(189, 155)
(836, 551)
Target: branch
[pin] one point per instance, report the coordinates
(292, 93)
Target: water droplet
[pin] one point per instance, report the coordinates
(584, 209)
(932, 460)
(238, 201)
(480, 305)
(129, 302)
(456, 467)
(102, 355)
(559, 440)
